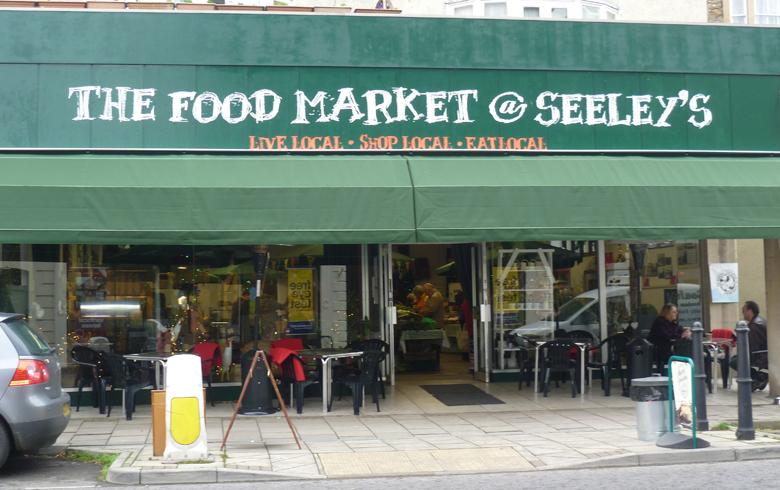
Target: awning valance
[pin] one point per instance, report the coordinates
(467, 199)
(204, 199)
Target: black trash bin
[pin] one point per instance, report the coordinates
(640, 358)
(651, 397)
(258, 399)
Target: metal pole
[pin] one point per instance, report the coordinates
(701, 377)
(745, 429)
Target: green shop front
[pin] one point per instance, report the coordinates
(536, 175)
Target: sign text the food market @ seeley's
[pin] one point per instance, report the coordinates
(386, 107)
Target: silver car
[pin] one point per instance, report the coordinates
(33, 408)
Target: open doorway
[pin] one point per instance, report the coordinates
(432, 291)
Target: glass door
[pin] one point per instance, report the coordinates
(379, 307)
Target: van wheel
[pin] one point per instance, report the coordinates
(5, 444)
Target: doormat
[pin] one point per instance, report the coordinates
(456, 395)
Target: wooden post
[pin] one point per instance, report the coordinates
(158, 422)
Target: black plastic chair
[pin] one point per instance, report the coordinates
(291, 383)
(87, 360)
(616, 348)
(115, 373)
(525, 348)
(374, 345)
(560, 357)
(366, 378)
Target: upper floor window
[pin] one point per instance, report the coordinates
(739, 11)
(559, 13)
(768, 12)
(464, 11)
(495, 9)
(530, 11)
(591, 11)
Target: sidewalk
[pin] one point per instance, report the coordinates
(527, 433)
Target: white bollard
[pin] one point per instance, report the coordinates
(185, 423)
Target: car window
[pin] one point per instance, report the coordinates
(571, 308)
(587, 317)
(27, 342)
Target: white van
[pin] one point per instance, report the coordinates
(581, 313)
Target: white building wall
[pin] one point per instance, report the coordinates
(687, 11)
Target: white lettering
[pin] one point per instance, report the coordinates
(462, 96)
(206, 99)
(640, 109)
(304, 102)
(614, 112)
(594, 109)
(404, 103)
(82, 100)
(373, 107)
(235, 100)
(570, 107)
(141, 102)
(668, 106)
(507, 107)
(120, 105)
(434, 107)
(180, 102)
(346, 101)
(555, 113)
(261, 111)
(696, 108)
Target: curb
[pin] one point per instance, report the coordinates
(676, 456)
(121, 475)
(118, 474)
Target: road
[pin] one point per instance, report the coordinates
(50, 474)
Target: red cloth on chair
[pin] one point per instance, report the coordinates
(210, 356)
(280, 354)
(291, 343)
(721, 334)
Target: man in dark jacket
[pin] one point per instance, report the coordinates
(757, 341)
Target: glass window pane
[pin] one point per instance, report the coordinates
(531, 12)
(591, 12)
(560, 13)
(464, 11)
(495, 9)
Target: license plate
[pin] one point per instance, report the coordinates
(66, 409)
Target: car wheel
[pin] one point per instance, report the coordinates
(5, 444)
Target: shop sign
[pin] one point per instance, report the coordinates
(300, 300)
(283, 109)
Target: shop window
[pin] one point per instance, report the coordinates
(644, 276)
(531, 12)
(559, 13)
(131, 299)
(542, 290)
(739, 11)
(495, 9)
(768, 12)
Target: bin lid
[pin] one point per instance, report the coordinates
(651, 381)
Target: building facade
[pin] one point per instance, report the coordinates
(152, 195)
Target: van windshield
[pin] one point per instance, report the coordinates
(27, 342)
(571, 308)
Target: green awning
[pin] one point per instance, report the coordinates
(465, 199)
(204, 199)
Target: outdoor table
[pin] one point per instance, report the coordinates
(582, 345)
(326, 356)
(156, 358)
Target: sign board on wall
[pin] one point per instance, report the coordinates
(724, 282)
(315, 109)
